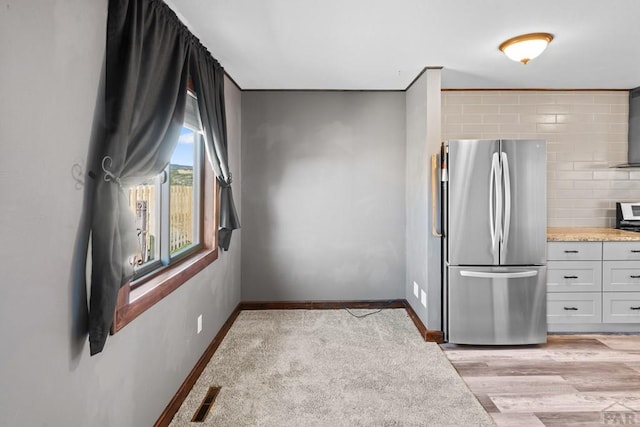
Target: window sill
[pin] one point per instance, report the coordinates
(132, 303)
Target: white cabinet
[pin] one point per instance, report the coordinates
(574, 282)
(621, 307)
(574, 276)
(623, 251)
(621, 276)
(568, 307)
(593, 286)
(621, 282)
(574, 251)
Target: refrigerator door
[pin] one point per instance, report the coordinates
(497, 305)
(474, 202)
(524, 182)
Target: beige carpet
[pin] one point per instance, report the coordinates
(328, 368)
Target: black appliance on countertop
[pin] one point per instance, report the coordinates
(628, 216)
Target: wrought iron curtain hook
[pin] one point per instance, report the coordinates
(108, 175)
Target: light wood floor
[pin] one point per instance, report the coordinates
(573, 380)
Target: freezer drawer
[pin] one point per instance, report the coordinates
(497, 305)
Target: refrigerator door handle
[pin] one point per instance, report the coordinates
(495, 212)
(507, 200)
(493, 275)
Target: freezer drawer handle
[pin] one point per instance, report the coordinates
(570, 277)
(635, 251)
(571, 252)
(635, 276)
(571, 308)
(634, 308)
(490, 275)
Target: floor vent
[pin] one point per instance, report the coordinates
(206, 405)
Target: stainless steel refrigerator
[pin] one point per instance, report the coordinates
(494, 241)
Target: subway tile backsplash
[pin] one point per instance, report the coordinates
(586, 132)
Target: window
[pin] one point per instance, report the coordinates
(167, 208)
(175, 220)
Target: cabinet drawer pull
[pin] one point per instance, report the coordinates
(571, 252)
(635, 251)
(571, 308)
(570, 277)
(635, 276)
(634, 308)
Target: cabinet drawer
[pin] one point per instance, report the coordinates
(621, 276)
(574, 276)
(574, 307)
(621, 307)
(621, 251)
(574, 251)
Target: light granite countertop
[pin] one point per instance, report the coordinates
(590, 234)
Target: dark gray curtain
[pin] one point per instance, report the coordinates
(208, 80)
(146, 84)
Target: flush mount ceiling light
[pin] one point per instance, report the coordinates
(526, 47)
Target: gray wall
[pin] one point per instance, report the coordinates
(323, 195)
(423, 249)
(49, 84)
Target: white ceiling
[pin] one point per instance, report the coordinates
(384, 44)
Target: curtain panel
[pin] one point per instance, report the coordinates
(145, 91)
(208, 80)
(150, 56)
